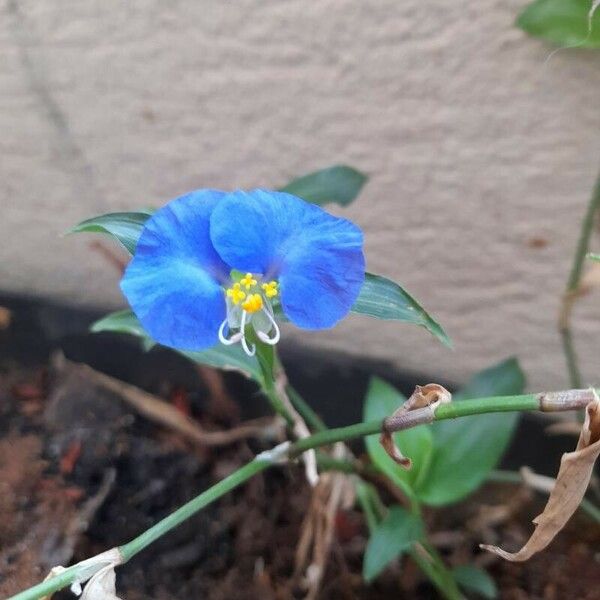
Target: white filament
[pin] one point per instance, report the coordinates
(264, 337)
(234, 339)
(249, 351)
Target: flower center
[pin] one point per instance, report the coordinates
(253, 304)
(249, 302)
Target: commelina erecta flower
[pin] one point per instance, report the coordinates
(210, 265)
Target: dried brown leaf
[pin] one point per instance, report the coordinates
(426, 395)
(571, 483)
(430, 395)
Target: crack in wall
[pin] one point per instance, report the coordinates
(71, 157)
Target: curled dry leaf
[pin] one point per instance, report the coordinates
(100, 570)
(102, 586)
(430, 395)
(571, 483)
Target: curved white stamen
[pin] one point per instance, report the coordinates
(264, 337)
(234, 339)
(249, 351)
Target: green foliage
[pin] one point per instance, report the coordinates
(383, 299)
(125, 227)
(595, 257)
(123, 321)
(451, 459)
(231, 358)
(339, 184)
(390, 538)
(563, 22)
(475, 580)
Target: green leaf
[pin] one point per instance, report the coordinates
(563, 22)
(383, 299)
(417, 443)
(467, 449)
(504, 379)
(393, 536)
(125, 227)
(231, 358)
(595, 257)
(228, 358)
(475, 580)
(339, 184)
(123, 321)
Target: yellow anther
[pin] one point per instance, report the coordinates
(253, 303)
(236, 294)
(270, 289)
(248, 281)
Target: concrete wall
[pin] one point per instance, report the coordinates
(481, 154)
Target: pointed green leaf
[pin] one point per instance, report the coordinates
(123, 321)
(416, 443)
(472, 579)
(339, 184)
(228, 358)
(467, 449)
(563, 22)
(393, 536)
(231, 358)
(383, 299)
(595, 257)
(125, 227)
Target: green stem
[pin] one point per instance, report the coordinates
(452, 410)
(440, 578)
(587, 226)
(136, 545)
(278, 406)
(193, 506)
(364, 497)
(263, 461)
(268, 362)
(573, 284)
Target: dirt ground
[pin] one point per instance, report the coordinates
(81, 470)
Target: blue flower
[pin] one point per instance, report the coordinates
(209, 265)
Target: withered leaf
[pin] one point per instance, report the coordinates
(571, 483)
(432, 395)
(102, 586)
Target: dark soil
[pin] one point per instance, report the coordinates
(81, 471)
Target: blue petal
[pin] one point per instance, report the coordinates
(173, 283)
(316, 257)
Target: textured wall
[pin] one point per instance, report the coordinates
(481, 155)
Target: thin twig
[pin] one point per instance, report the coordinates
(159, 411)
(300, 428)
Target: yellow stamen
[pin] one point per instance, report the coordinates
(248, 281)
(253, 303)
(270, 289)
(236, 294)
